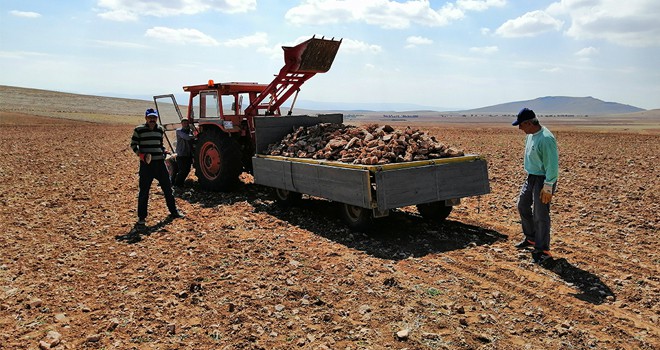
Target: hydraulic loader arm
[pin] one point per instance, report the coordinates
(301, 62)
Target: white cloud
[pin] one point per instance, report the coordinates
(323, 12)
(25, 14)
(256, 39)
(414, 41)
(119, 15)
(181, 36)
(356, 46)
(551, 70)
(479, 5)
(587, 51)
(585, 54)
(528, 25)
(383, 13)
(131, 10)
(120, 44)
(627, 23)
(485, 49)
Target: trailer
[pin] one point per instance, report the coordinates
(365, 192)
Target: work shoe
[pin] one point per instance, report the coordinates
(541, 257)
(141, 222)
(177, 215)
(524, 244)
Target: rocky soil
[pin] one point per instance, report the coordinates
(240, 272)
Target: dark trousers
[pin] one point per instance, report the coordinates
(148, 172)
(183, 165)
(534, 215)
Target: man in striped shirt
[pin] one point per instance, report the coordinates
(541, 162)
(147, 143)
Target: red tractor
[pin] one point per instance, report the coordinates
(223, 114)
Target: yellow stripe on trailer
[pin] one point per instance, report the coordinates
(379, 167)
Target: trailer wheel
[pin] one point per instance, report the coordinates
(218, 161)
(287, 198)
(435, 211)
(357, 218)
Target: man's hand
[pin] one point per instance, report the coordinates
(145, 157)
(546, 194)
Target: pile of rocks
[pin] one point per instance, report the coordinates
(371, 144)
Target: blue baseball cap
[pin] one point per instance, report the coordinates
(524, 114)
(151, 113)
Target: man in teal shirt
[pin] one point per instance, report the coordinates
(541, 162)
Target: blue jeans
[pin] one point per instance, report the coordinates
(534, 215)
(148, 172)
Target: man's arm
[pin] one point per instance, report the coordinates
(550, 161)
(551, 165)
(135, 141)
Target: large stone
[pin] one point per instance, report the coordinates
(367, 145)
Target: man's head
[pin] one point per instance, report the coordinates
(151, 118)
(523, 115)
(526, 121)
(185, 123)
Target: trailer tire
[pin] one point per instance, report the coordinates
(287, 198)
(434, 211)
(357, 218)
(218, 161)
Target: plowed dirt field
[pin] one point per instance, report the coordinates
(241, 272)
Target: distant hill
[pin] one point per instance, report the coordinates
(38, 102)
(559, 105)
(54, 103)
(366, 106)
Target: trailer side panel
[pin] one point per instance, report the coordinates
(350, 186)
(416, 185)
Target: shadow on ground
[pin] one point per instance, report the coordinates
(592, 289)
(137, 231)
(400, 235)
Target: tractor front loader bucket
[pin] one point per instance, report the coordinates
(312, 56)
(301, 62)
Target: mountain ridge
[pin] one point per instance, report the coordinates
(543, 105)
(560, 105)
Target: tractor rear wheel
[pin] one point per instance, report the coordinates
(218, 161)
(435, 211)
(357, 218)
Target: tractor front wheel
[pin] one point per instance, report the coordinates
(218, 161)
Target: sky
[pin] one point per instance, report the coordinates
(447, 54)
